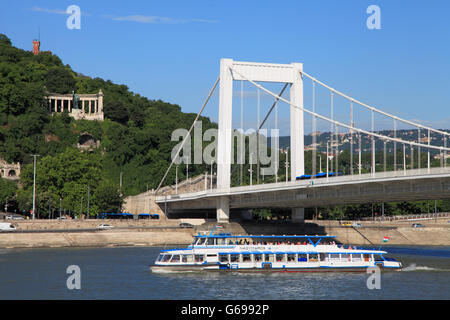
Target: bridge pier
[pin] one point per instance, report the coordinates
(298, 215)
(223, 209)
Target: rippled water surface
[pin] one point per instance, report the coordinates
(122, 273)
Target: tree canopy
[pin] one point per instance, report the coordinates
(135, 137)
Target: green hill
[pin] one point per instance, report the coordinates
(135, 137)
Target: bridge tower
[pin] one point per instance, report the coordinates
(262, 72)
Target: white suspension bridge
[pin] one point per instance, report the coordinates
(355, 188)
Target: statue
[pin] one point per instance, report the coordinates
(76, 100)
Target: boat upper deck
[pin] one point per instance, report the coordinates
(272, 244)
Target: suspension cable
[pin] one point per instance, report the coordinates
(337, 122)
(372, 108)
(265, 119)
(189, 133)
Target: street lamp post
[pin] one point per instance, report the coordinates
(34, 185)
(88, 203)
(320, 163)
(251, 169)
(81, 206)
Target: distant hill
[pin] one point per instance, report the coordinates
(344, 140)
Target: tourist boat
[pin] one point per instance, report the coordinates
(287, 253)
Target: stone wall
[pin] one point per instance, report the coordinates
(145, 202)
(167, 232)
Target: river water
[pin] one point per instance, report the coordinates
(122, 273)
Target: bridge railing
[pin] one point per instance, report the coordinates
(412, 217)
(388, 175)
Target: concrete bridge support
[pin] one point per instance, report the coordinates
(223, 209)
(235, 70)
(298, 215)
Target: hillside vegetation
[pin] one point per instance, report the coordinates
(135, 137)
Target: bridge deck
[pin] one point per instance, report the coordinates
(417, 184)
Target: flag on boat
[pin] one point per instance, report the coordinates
(219, 227)
(386, 239)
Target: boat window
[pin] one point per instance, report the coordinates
(199, 257)
(322, 256)
(209, 241)
(334, 256)
(302, 257)
(257, 257)
(313, 257)
(246, 258)
(221, 241)
(291, 257)
(175, 258)
(366, 257)
(166, 257)
(280, 257)
(378, 257)
(223, 257)
(201, 241)
(160, 257)
(356, 257)
(268, 257)
(345, 257)
(234, 257)
(187, 258)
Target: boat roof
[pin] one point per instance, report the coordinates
(229, 235)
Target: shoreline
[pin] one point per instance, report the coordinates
(181, 244)
(83, 234)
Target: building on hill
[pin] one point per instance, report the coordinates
(90, 105)
(36, 47)
(9, 171)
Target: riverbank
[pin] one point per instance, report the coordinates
(72, 233)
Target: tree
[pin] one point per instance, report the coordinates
(67, 176)
(8, 190)
(4, 39)
(116, 111)
(60, 80)
(107, 197)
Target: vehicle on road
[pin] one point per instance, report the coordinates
(104, 226)
(356, 225)
(6, 226)
(346, 224)
(185, 225)
(14, 217)
(319, 175)
(417, 225)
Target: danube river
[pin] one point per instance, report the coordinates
(122, 273)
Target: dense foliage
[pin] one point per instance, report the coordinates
(135, 137)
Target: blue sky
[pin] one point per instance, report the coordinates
(170, 50)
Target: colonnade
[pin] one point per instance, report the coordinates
(90, 105)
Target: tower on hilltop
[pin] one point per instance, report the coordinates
(36, 46)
